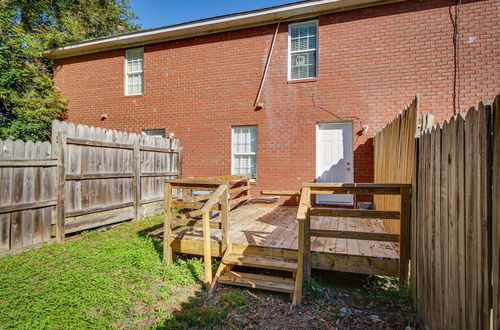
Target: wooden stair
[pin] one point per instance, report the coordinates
(258, 281)
(261, 262)
(226, 275)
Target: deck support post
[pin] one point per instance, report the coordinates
(207, 253)
(224, 215)
(404, 237)
(167, 225)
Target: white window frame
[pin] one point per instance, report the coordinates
(290, 26)
(127, 52)
(243, 154)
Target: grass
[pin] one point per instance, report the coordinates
(117, 279)
(105, 279)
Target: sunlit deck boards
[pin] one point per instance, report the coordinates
(271, 229)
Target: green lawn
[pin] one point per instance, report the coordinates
(116, 279)
(113, 278)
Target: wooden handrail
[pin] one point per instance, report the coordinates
(356, 213)
(213, 199)
(356, 185)
(367, 236)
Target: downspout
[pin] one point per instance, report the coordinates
(257, 105)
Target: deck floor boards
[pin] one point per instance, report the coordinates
(275, 226)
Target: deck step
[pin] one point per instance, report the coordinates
(258, 261)
(264, 282)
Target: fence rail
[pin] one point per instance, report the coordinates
(86, 178)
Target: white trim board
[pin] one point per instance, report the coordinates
(287, 12)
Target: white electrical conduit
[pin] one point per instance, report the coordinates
(257, 99)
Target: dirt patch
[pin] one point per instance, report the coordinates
(374, 305)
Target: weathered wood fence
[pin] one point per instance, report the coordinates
(86, 178)
(455, 217)
(394, 153)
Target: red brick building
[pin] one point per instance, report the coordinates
(351, 63)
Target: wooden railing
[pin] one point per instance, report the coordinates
(226, 192)
(305, 211)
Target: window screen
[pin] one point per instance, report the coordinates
(303, 50)
(245, 150)
(134, 71)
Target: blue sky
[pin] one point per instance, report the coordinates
(155, 13)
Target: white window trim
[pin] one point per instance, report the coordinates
(315, 21)
(133, 50)
(245, 153)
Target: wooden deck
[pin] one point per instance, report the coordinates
(272, 230)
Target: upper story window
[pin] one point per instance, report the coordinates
(302, 50)
(134, 71)
(244, 150)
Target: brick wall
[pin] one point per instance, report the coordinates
(371, 62)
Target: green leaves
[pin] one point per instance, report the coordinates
(29, 100)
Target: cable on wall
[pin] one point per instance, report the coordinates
(456, 57)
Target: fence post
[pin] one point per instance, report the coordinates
(404, 236)
(179, 162)
(61, 186)
(136, 179)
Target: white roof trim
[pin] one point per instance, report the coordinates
(211, 25)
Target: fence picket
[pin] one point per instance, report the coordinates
(496, 214)
(453, 222)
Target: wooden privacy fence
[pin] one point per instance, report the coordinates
(455, 230)
(458, 220)
(394, 153)
(86, 178)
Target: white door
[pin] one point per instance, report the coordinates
(334, 154)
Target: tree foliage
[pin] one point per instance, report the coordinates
(28, 28)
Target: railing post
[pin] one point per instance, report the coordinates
(61, 186)
(226, 225)
(299, 276)
(307, 245)
(207, 253)
(248, 186)
(167, 225)
(404, 236)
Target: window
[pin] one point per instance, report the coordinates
(303, 41)
(245, 150)
(134, 80)
(154, 132)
